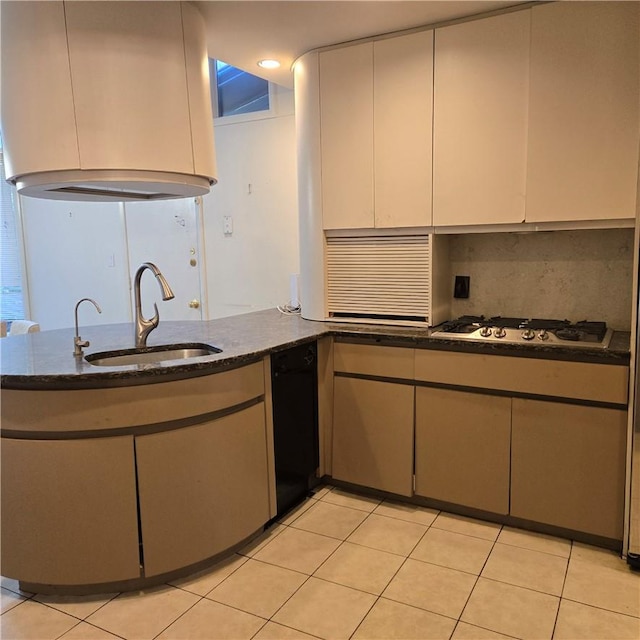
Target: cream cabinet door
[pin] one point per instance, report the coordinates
(97, 51)
(462, 448)
(584, 111)
(373, 434)
(69, 513)
(481, 90)
(346, 121)
(568, 466)
(202, 488)
(402, 120)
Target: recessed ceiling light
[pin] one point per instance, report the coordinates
(268, 64)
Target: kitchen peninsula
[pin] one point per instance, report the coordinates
(121, 477)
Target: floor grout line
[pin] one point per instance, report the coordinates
(593, 606)
(376, 597)
(564, 582)
(475, 584)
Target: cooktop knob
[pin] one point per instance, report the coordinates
(543, 334)
(485, 332)
(528, 334)
(500, 332)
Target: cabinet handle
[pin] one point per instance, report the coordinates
(195, 304)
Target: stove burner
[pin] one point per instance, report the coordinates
(526, 331)
(548, 325)
(464, 324)
(598, 329)
(568, 333)
(506, 323)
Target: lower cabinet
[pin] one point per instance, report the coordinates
(568, 466)
(373, 434)
(202, 488)
(498, 448)
(462, 448)
(69, 511)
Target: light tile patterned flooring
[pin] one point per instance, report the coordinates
(346, 566)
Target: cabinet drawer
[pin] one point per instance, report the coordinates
(555, 378)
(88, 409)
(374, 360)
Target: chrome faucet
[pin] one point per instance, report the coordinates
(143, 326)
(78, 342)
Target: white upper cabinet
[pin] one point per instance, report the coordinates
(376, 120)
(481, 92)
(402, 118)
(530, 116)
(346, 120)
(584, 117)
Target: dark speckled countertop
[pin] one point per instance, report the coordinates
(45, 360)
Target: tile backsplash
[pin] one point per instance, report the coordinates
(577, 275)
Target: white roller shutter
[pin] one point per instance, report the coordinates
(381, 277)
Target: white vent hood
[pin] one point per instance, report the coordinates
(106, 100)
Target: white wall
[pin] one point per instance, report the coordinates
(257, 187)
(578, 275)
(76, 250)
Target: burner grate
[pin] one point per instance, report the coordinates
(506, 323)
(549, 325)
(598, 329)
(463, 324)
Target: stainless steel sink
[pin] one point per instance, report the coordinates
(151, 355)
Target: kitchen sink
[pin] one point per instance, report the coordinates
(151, 355)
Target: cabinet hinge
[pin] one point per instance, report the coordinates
(414, 482)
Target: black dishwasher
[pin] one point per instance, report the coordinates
(294, 378)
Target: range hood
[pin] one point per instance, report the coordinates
(106, 100)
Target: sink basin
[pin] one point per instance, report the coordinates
(151, 355)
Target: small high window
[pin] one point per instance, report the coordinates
(236, 92)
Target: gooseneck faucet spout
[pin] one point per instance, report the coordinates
(78, 342)
(145, 326)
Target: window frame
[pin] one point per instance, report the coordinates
(240, 117)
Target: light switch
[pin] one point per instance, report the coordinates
(227, 225)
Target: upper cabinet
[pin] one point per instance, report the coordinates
(529, 116)
(402, 132)
(584, 117)
(376, 119)
(480, 121)
(346, 120)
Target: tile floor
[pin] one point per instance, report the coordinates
(345, 566)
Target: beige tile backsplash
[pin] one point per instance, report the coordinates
(576, 275)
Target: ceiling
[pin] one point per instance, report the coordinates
(241, 32)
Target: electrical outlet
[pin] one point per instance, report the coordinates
(227, 225)
(461, 287)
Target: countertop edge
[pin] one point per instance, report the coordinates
(269, 331)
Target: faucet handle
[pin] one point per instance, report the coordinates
(149, 324)
(78, 344)
(156, 316)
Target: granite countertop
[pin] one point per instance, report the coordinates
(45, 360)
